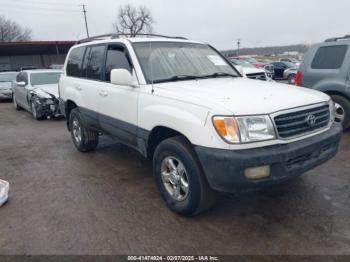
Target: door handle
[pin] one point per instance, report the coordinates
(103, 93)
(78, 87)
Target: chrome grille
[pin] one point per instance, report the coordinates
(301, 122)
(258, 76)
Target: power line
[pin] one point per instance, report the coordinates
(31, 2)
(86, 24)
(38, 9)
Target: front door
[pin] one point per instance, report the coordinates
(117, 104)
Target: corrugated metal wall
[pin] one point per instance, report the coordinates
(39, 61)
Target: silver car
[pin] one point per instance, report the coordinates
(6, 79)
(37, 92)
(290, 74)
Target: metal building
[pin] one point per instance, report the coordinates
(39, 54)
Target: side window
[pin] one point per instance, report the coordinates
(25, 78)
(329, 57)
(85, 62)
(116, 59)
(19, 77)
(22, 77)
(74, 62)
(95, 64)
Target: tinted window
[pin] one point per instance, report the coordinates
(116, 59)
(74, 62)
(85, 62)
(329, 57)
(94, 68)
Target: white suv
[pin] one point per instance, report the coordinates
(183, 105)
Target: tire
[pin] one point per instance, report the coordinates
(35, 113)
(199, 196)
(342, 110)
(84, 139)
(17, 107)
(291, 79)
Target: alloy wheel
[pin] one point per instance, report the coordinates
(174, 178)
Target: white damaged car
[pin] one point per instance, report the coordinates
(37, 92)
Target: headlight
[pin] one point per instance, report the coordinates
(255, 128)
(244, 129)
(331, 111)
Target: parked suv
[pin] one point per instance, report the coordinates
(326, 67)
(183, 105)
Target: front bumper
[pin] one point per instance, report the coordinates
(49, 110)
(225, 169)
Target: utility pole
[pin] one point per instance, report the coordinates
(86, 24)
(238, 45)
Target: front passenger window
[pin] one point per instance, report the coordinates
(116, 59)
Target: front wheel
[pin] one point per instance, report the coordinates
(180, 178)
(342, 110)
(84, 139)
(35, 112)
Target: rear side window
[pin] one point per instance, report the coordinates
(116, 59)
(74, 61)
(329, 57)
(94, 68)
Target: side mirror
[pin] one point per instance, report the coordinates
(21, 83)
(122, 77)
(240, 70)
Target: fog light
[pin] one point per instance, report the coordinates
(260, 172)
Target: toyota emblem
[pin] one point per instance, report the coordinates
(310, 120)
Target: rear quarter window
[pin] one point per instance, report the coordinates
(74, 62)
(329, 57)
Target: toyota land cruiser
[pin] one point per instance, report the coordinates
(183, 105)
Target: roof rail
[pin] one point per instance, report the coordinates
(337, 38)
(116, 35)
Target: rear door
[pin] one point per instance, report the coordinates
(325, 63)
(117, 103)
(83, 87)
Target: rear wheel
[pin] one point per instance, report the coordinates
(291, 79)
(342, 110)
(84, 139)
(180, 178)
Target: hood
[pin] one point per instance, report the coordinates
(240, 96)
(45, 91)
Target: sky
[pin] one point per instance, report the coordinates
(220, 23)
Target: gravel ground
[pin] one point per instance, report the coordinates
(106, 202)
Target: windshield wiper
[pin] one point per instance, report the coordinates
(178, 78)
(219, 74)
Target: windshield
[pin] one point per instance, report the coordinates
(44, 78)
(175, 61)
(8, 77)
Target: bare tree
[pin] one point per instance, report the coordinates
(11, 31)
(134, 20)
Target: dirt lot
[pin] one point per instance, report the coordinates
(66, 202)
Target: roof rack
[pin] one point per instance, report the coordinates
(337, 38)
(116, 36)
